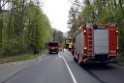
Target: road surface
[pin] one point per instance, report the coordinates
(59, 68)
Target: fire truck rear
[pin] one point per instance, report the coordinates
(53, 47)
(96, 43)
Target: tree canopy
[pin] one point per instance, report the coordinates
(23, 27)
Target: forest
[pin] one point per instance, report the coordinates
(98, 11)
(23, 27)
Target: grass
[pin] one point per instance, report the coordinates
(121, 60)
(22, 57)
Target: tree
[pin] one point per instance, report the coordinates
(57, 36)
(25, 27)
(2, 4)
(73, 15)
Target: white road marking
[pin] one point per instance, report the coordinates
(72, 75)
(60, 56)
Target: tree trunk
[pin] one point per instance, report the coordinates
(121, 7)
(1, 26)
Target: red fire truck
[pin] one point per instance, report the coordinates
(96, 43)
(53, 47)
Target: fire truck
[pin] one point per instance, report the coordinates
(53, 47)
(96, 43)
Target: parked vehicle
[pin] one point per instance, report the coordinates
(66, 43)
(53, 47)
(96, 43)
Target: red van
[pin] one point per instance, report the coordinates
(53, 47)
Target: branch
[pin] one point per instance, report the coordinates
(5, 3)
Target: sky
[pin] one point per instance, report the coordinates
(57, 13)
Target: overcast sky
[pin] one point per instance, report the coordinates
(57, 13)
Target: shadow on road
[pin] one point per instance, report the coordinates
(98, 67)
(89, 68)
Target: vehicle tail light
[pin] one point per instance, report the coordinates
(117, 50)
(85, 50)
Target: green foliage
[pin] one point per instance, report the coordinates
(58, 36)
(22, 57)
(25, 28)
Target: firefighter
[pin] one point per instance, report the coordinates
(70, 46)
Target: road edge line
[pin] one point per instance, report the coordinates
(72, 75)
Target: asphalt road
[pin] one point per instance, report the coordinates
(60, 68)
